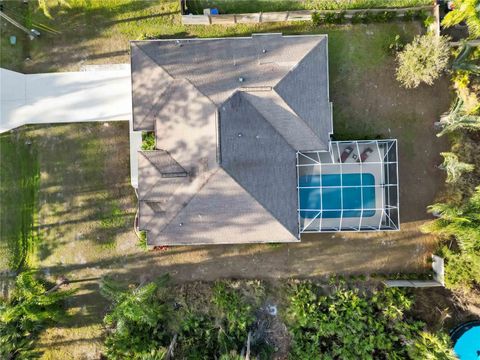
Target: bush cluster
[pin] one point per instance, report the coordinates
(366, 17)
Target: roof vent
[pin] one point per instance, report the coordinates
(240, 135)
(264, 51)
(241, 79)
(180, 224)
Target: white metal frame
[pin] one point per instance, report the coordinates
(313, 160)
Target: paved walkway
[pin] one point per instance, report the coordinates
(101, 93)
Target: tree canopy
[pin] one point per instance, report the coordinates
(423, 60)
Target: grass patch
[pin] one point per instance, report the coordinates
(19, 184)
(250, 6)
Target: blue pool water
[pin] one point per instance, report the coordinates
(328, 199)
(467, 346)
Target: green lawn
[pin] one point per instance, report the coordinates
(19, 185)
(250, 6)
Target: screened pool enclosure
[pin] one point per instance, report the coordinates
(352, 187)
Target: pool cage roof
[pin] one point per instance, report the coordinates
(351, 187)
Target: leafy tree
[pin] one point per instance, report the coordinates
(458, 119)
(454, 167)
(468, 11)
(423, 60)
(140, 321)
(428, 346)
(23, 316)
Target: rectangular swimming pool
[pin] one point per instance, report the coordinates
(327, 195)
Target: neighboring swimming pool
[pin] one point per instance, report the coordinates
(329, 194)
(467, 341)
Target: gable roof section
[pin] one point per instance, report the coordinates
(305, 90)
(214, 66)
(259, 158)
(185, 126)
(222, 212)
(149, 82)
(293, 129)
(159, 175)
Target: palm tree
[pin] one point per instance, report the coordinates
(139, 322)
(459, 221)
(454, 167)
(462, 61)
(457, 118)
(468, 11)
(30, 308)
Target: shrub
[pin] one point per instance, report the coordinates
(317, 19)
(385, 16)
(350, 325)
(331, 18)
(368, 17)
(409, 15)
(423, 60)
(148, 140)
(356, 18)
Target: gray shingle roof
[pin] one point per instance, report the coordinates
(260, 159)
(305, 90)
(236, 140)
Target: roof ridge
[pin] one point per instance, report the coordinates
(254, 199)
(156, 168)
(293, 113)
(268, 122)
(290, 71)
(185, 204)
(151, 58)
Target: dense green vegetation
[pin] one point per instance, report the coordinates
(331, 322)
(19, 184)
(468, 11)
(145, 322)
(457, 215)
(29, 309)
(148, 140)
(348, 324)
(244, 6)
